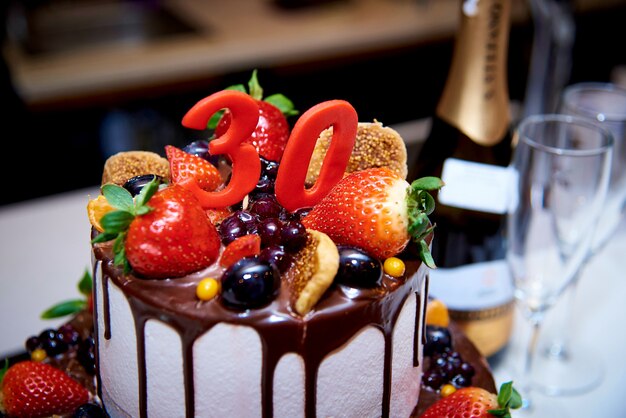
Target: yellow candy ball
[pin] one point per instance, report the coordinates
(207, 289)
(393, 266)
(38, 355)
(447, 390)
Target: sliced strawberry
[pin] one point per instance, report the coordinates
(375, 210)
(159, 234)
(245, 246)
(31, 389)
(272, 131)
(474, 402)
(217, 215)
(184, 166)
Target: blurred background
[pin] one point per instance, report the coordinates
(83, 79)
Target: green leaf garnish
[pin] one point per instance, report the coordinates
(85, 285)
(256, 91)
(420, 204)
(146, 193)
(116, 221)
(118, 197)
(508, 398)
(283, 104)
(4, 369)
(62, 309)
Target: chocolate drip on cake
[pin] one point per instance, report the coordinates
(340, 315)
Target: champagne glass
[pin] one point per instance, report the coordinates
(561, 168)
(605, 104)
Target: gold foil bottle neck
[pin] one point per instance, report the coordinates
(475, 99)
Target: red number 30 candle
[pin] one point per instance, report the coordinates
(289, 187)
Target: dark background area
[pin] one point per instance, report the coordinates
(62, 148)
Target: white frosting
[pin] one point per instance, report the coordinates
(227, 367)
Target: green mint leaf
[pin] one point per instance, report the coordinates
(215, 119)
(498, 412)
(116, 221)
(147, 192)
(4, 369)
(283, 104)
(427, 183)
(86, 283)
(104, 237)
(118, 197)
(506, 390)
(119, 252)
(425, 254)
(516, 399)
(142, 210)
(66, 308)
(255, 89)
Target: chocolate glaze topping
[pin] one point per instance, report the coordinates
(337, 317)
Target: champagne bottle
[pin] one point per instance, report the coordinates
(469, 147)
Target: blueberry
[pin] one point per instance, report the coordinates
(86, 355)
(293, 235)
(433, 379)
(69, 334)
(89, 410)
(54, 347)
(200, 148)
(135, 184)
(32, 343)
(250, 220)
(460, 381)
(264, 187)
(232, 228)
(250, 283)
(266, 207)
(276, 255)
(467, 370)
(270, 231)
(269, 168)
(438, 339)
(357, 269)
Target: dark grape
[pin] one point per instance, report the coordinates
(467, 370)
(32, 343)
(266, 207)
(438, 339)
(69, 334)
(293, 235)
(250, 220)
(135, 184)
(200, 148)
(357, 269)
(232, 228)
(89, 410)
(48, 334)
(54, 347)
(460, 381)
(250, 283)
(264, 188)
(433, 379)
(276, 255)
(269, 168)
(270, 231)
(86, 355)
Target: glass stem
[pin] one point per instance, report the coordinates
(536, 321)
(558, 348)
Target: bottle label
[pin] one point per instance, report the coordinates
(476, 186)
(473, 287)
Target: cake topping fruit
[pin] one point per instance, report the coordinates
(474, 402)
(437, 313)
(207, 289)
(34, 389)
(159, 234)
(184, 166)
(377, 211)
(375, 146)
(313, 271)
(135, 184)
(245, 246)
(272, 130)
(394, 267)
(123, 166)
(249, 283)
(358, 269)
(96, 209)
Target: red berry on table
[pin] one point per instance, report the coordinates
(184, 166)
(475, 402)
(31, 389)
(372, 209)
(272, 131)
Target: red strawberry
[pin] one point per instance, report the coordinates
(272, 131)
(32, 389)
(245, 246)
(159, 234)
(184, 165)
(474, 402)
(375, 210)
(174, 239)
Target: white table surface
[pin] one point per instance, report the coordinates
(45, 250)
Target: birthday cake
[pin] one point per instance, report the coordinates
(254, 276)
